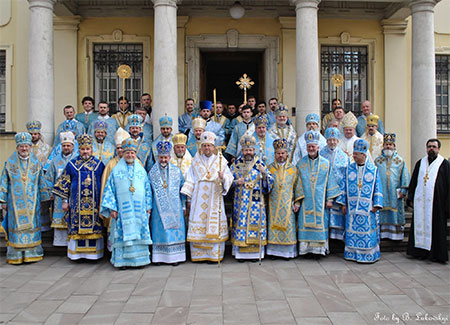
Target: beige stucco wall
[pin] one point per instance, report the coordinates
(15, 33)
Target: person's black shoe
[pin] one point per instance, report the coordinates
(175, 264)
(210, 262)
(240, 260)
(122, 268)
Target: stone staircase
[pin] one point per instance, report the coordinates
(335, 246)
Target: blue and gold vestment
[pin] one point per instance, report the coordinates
(22, 188)
(103, 151)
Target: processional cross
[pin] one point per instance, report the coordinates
(245, 83)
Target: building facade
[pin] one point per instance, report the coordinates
(394, 53)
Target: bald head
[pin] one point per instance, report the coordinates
(366, 107)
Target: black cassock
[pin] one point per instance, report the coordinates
(441, 212)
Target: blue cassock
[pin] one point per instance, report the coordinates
(64, 127)
(247, 210)
(168, 227)
(130, 232)
(360, 194)
(184, 122)
(56, 168)
(57, 151)
(218, 130)
(300, 149)
(22, 188)
(361, 127)
(110, 131)
(339, 162)
(191, 144)
(267, 153)
(394, 176)
(80, 183)
(319, 186)
(81, 117)
(271, 118)
(104, 151)
(146, 134)
(238, 132)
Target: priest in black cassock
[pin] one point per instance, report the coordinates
(429, 195)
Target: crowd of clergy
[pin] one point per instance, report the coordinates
(108, 185)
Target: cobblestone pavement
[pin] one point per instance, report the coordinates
(395, 290)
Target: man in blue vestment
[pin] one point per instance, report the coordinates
(165, 127)
(264, 142)
(79, 187)
(101, 149)
(338, 162)
(168, 210)
(193, 142)
(239, 130)
(21, 191)
(395, 179)
(312, 124)
(70, 124)
(211, 126)
(56, 168)
(366, 109)
(88, 116)
(251, 180)
(103, 111)
(361, 199)
(185, 120)
(146, 128)
(144, 147)
(319, 189)
(127, 201)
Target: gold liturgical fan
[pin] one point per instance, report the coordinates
(337, 80)
(124, 72)
(245, 83)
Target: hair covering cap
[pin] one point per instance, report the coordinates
(129, 144)
(120, 135)
(163, 148)
(135, 120)
(312, 137)
(280, 144)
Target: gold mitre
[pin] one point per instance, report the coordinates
(349, 121)
(198, 123)
(179, 138)
(372, 119)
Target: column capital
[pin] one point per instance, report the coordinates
(182, 21)
(170, 3)
(394, 26)
(46, 4)
(287, 22)
(66, 23)
(314, 4)
(422, 5)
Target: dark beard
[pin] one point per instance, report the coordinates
(431, 156)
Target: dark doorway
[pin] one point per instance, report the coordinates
(221, 70)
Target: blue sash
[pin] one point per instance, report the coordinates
(167, 199)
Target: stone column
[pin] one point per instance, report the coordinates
(40, 66)
(307, 61)
(165, 81)
(423, 78)
(396, 79)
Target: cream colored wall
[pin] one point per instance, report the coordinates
(15, 33)
(140, 26)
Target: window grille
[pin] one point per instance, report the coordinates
(351, 63)
(107, 84)
(443, 93)
(2, 90)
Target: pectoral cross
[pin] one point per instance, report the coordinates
(425, 179)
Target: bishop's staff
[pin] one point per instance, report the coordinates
(245, 83)
(219, 152)
(124, 72)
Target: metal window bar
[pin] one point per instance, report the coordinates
(443, 93)
(107, 84)
(352, 63)
(2, 90)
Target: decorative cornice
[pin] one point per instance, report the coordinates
(182, 21)
(394, 26)
(66, 23)
(287, 22)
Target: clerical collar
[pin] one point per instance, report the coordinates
(103, 117)
(249, 122)
(360, 165)
(87, 113)
(24, 158)
(313, 158)
(123, 112)
(163, 167)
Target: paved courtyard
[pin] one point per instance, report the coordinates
(395, 290)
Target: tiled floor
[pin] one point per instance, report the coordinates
(395, 290)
